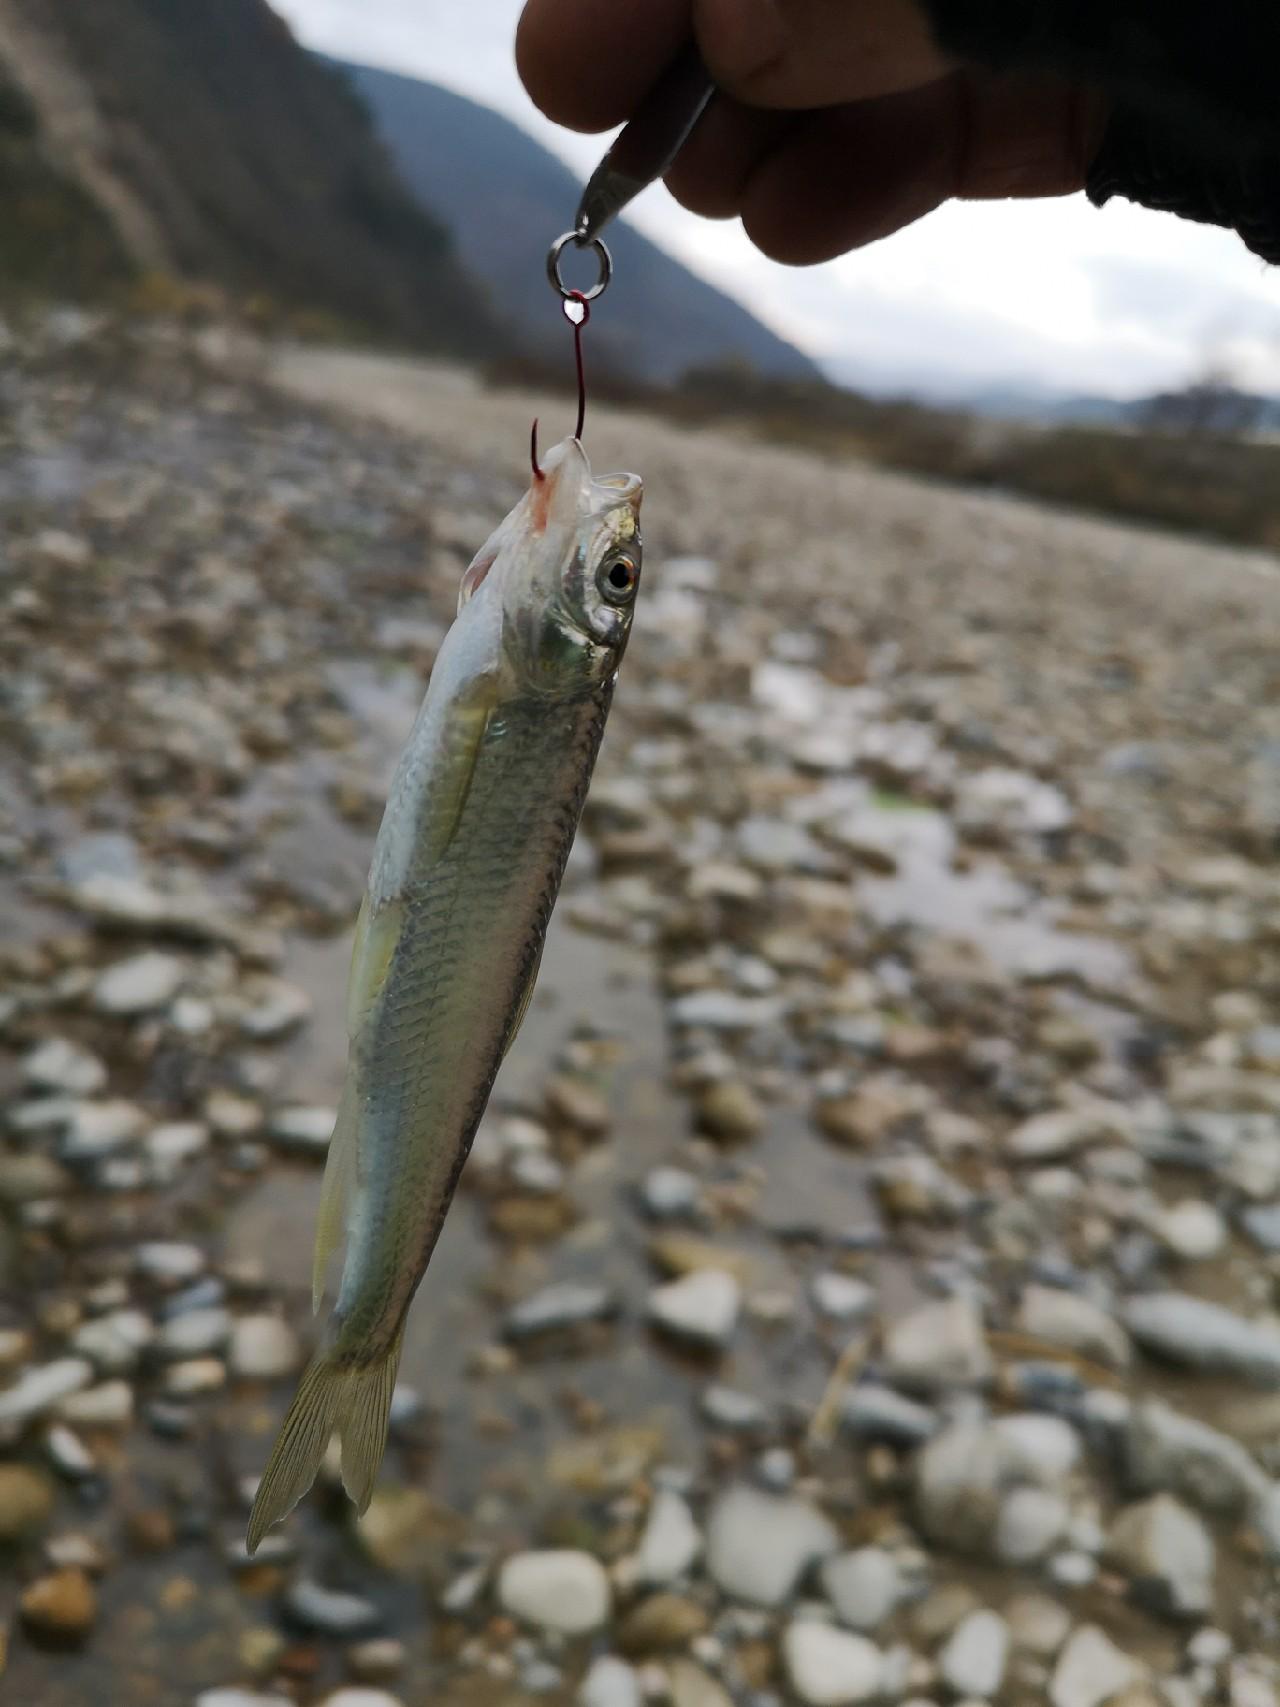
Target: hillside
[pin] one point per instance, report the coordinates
(215, 148)
(504, 198)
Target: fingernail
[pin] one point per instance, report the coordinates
(740, 38)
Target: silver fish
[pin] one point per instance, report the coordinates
(465, 872)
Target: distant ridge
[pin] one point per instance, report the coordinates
(504, 197)
(212, 147)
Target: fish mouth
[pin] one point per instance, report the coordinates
(612, 490)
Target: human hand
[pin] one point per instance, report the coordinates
(839, 121)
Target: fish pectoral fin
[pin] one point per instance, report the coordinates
(526, 996)
(377, 934)
(456, 768)
(338, 1187)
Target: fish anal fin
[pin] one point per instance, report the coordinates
(339, 1186)
(364, 1424)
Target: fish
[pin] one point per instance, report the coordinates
(467, 863)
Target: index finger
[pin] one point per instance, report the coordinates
(588, 63)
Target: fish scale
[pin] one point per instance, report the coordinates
(466, 868)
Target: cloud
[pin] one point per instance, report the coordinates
(1055, 294)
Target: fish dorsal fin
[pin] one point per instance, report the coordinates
(339, 1186)
(526, 996)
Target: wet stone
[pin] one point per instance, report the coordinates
(1190, 1230)
(109, 1405)
(376, 1660)
(1261, 1223)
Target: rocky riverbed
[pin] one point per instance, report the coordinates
(864, 1287)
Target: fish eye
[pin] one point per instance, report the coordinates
(617, 578)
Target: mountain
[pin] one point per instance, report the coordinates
(196, 138)
(505, 198)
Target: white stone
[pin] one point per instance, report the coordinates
(974, 1659)
(1090, 1670)
(1043, 1449)
(610, 1682)
(1169, 1553)
(939, 1346)
(829, 1667)
(307, 1130)
(702, 1307)
(169, 1259)
(41, 1388)
(759, 1545)
(194, 1334)
(1066, 1319)
(140, 984)
(109, 1405)
(61, 1065)
(557, 1590)
(95, 1129)
(1031, 1520)
(864, 1586)
(671, 1540)
(263, 1347)
(1192, 1230)
(841, 1296)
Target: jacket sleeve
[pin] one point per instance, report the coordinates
(1195, 91)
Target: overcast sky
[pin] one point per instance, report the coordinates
(1054, 294)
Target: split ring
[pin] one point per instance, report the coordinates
(603, 259)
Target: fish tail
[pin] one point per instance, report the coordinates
(351, 1400)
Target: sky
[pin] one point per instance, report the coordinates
(1055, 296)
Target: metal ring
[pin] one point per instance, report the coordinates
(603, 257)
